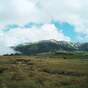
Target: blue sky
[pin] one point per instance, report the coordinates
(67, 29)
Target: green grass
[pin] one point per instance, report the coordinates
(38, 72)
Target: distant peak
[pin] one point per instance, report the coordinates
(52, 40)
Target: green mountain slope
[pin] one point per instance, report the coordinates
(83, 47)
(45, 46)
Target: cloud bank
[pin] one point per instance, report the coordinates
(22, 12)
(22, 35)
(4, 49)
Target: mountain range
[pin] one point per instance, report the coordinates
(50, 46)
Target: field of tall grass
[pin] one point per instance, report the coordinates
(38, 72)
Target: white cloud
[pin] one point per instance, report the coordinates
(21, 12)
(83, 38)
(4, 49)
(44, 32)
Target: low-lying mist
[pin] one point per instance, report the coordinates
(5, 49)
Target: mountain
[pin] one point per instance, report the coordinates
(46, 46)
(83, 47)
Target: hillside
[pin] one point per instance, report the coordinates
(50, 46)
(83, 47)
(46, 46)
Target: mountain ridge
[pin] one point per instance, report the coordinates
(50, 46)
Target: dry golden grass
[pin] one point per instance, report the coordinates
(36, 72)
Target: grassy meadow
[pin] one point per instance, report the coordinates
(42, 72)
